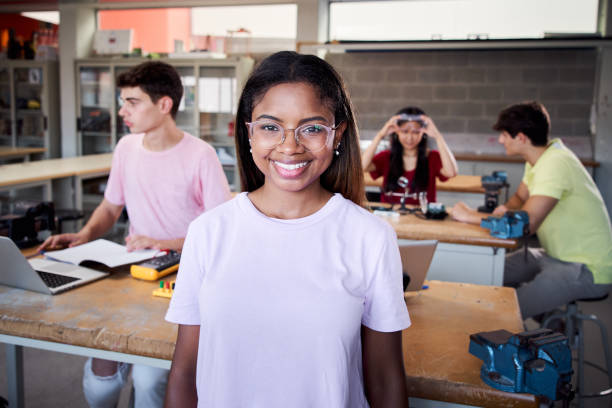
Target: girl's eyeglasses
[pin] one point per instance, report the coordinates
(313, 136)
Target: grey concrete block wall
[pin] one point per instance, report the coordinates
(463, 90)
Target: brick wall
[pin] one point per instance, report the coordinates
(463, 90)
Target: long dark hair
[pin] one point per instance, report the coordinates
(344, 175)
(396, 160)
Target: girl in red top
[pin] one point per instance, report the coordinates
(409, 156)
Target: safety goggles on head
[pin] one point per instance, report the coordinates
(268, 134)
(404, 117)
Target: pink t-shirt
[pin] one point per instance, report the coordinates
(280, 303)
(164, 191)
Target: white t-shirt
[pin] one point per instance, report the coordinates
(164, 191)
(280, 303)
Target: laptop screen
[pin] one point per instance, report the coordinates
(416, 258)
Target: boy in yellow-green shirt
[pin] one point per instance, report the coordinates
(566, 211)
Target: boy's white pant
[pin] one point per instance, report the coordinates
(103, 392)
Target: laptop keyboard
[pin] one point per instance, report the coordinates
(53, 280)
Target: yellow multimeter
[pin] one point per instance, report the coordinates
(157, 267)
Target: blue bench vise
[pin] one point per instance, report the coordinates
(513, 224)
(537, 362)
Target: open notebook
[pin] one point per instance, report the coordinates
(416, 258)
(41, 275)
(102, 251)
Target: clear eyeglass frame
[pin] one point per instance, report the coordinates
(296, 133)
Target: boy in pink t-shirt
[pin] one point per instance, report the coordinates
(165, 178)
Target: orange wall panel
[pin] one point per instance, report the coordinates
(154, 29)
(179, 23)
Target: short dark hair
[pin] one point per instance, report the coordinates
(157, 79)
(345, 174)
(531, 118)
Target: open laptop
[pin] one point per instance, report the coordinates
(416, 258)
(41, 275)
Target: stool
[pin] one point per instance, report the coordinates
(573, 319)
(66, 215)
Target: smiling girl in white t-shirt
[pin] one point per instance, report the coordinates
(290, 295)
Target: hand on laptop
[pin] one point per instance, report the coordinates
(63, 240)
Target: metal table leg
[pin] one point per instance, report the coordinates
(14, 371)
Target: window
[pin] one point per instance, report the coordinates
(46, 16)
(266, 21)
(247, 28)
(460, 19)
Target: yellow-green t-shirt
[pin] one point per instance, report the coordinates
(578, 227)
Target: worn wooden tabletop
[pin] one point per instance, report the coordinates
(119, 314)
(436, 358)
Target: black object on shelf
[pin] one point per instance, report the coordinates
(14, 48)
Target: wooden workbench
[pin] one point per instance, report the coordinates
(118, 314)
(43, 172)
(409, 226)
(458, 244)
(459, 184)
(24, 153)
(436, 358)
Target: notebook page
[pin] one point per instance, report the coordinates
(106, 252)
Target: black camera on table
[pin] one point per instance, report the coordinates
(26, 221)
(492, 184)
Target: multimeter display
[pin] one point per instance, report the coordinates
(155, 268)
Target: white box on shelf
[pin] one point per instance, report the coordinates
(113, 41)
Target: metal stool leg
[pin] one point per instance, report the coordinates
(604, 339)
(574, 331)
(580, 350)
(132, 397)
